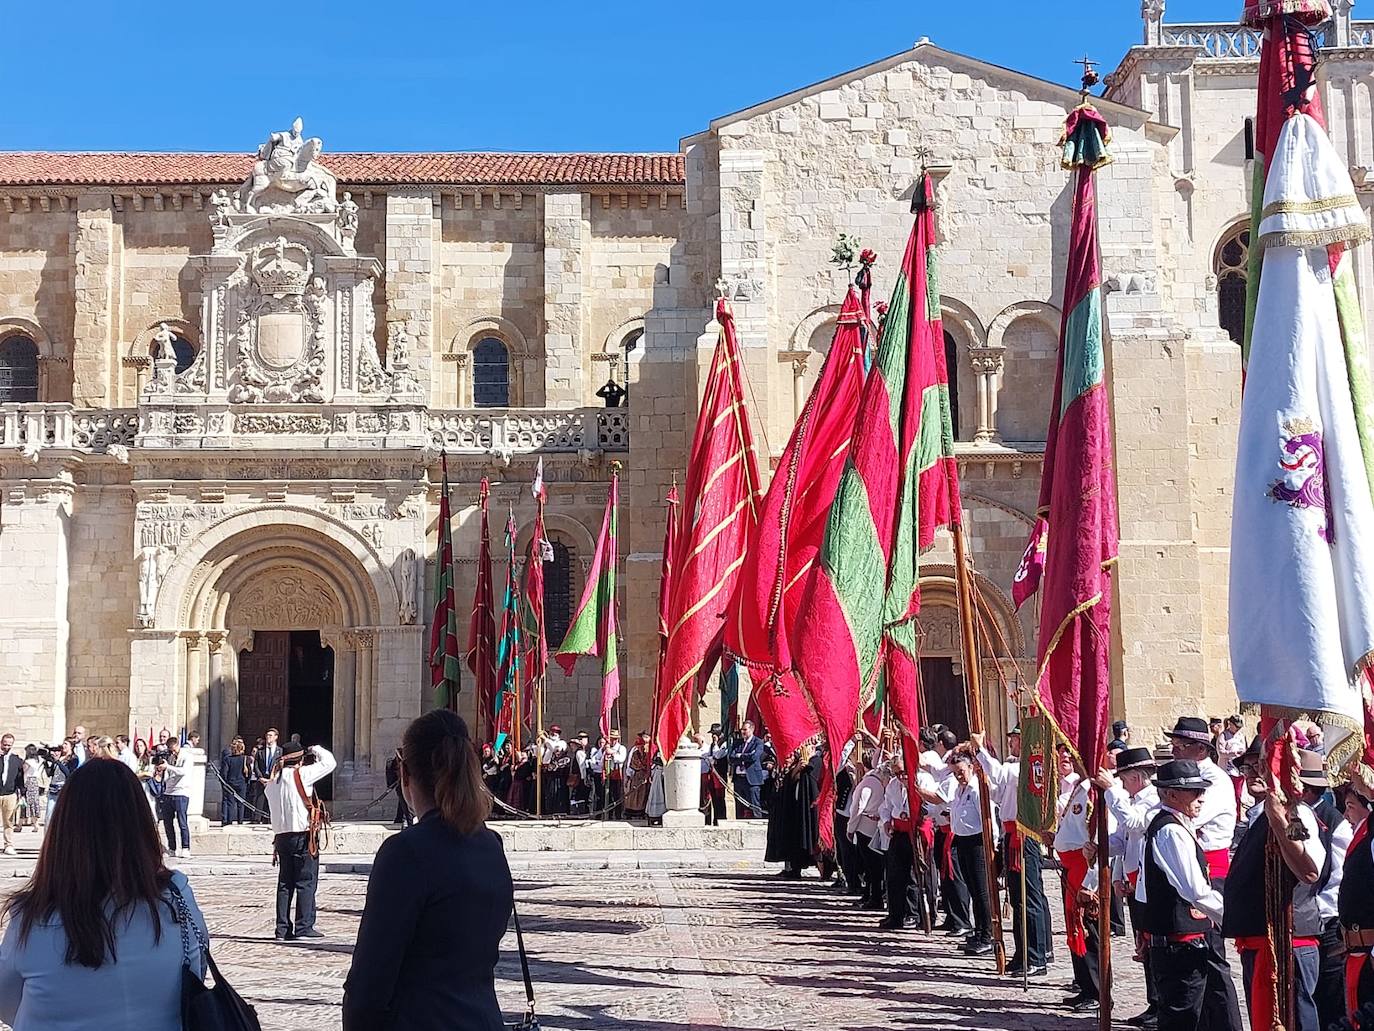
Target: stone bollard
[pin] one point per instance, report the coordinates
(195, 804)
(682, 786)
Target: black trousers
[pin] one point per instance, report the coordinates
(903, 900)
(1181, 971)
(615, 798)
(973, 865)
(1036, 933)
(298, 874)
(1330, 975)
(954, 898)
(847, 855)
(872, 863)
(1087, 968)
(1151, 987)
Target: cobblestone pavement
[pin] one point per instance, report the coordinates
(655, 950)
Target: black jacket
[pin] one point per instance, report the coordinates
(11, 773)
(438, 903)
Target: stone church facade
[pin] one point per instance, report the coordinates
(226, 379)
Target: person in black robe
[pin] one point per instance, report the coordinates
(793, 822)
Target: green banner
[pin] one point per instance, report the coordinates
(1038, 787)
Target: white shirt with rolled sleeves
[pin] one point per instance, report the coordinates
(284, 803)
(864, 805)
(1132, 814)
(1216, 824)
(1175, 853)
(895, 804)
(1340, 845)
(1004, 779)
(553, 746)
(1073, 830)
(943, 775)
(965, 810)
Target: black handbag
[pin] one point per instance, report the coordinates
(529, 1022)
(218, 1008)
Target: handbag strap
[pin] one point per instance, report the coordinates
(188, 926)
(524, 960)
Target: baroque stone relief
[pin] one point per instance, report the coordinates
(281, 327)
(287, 178)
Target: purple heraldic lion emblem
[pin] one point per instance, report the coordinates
(1303, 483)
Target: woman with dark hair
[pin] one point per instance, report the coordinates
(92, 940)
(233, 770)
(438, 900)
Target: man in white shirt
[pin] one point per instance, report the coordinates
(1180, 908)
(1019, 855)
(1132, 803)
(1215, 828)
(894, 816)
(1072, 843)
(966, 824)
(612, 765)
(124, 751)
(1336, 835)
(954, 896)
(11, 784)
(176, 797)
(79, 744)
(864, 808)
(291, 800)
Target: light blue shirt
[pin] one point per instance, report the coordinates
(139, 991)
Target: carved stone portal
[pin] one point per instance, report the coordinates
(288, 599)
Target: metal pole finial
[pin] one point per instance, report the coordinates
(1090, 77)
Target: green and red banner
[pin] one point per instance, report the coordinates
(857, 621)
(791, 528)
(593, 629)
(1074, 543)
(719, 504)
(481, 651)
(444, 668)
(508, 715)
(536, 660)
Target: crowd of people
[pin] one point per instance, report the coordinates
(1190, 826)
(100, 937)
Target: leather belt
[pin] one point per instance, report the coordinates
(1358, 937)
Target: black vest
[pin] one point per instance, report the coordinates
(1244, 915)
(1329, 818)
(1165, 911)
(1355, 906)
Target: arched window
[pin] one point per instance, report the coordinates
(1232, 271)
(558, 593)
(490, 374)
(629, 344)
(18, 370)
(952, 373)
(822, 337)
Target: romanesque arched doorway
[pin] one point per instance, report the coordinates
(284, 619)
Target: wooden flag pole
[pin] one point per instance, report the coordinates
(974, 688)
(1104, 917)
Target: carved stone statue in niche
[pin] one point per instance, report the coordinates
(149, 578)
(407, 570)
(348, 220)
(286, 176)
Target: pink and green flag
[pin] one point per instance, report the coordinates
(444, 663)
(857, 623)
(508, 648)
(1074, 543)
(593, 628)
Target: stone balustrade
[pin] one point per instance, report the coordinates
(505, 431)
(1234, 42)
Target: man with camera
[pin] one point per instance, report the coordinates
(296, 818)
(171, 791)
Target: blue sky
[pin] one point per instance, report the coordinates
(457, 75)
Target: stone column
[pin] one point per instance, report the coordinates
(565, 241)
(682, 786)
(199, 715)
(365, 642)
(221, 705)
(1152, 12)
(798, 360)
(986, 363)
(95, 277)
(346, 699)
(410, 279)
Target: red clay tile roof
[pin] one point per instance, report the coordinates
(20, 168)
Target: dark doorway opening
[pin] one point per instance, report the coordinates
(287, 682)
(943, 697)
(310, 707)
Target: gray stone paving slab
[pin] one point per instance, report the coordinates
(693, 947)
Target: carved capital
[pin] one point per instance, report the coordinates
(986, 360)
(216, 638)
(364, 639)
(798, 360)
